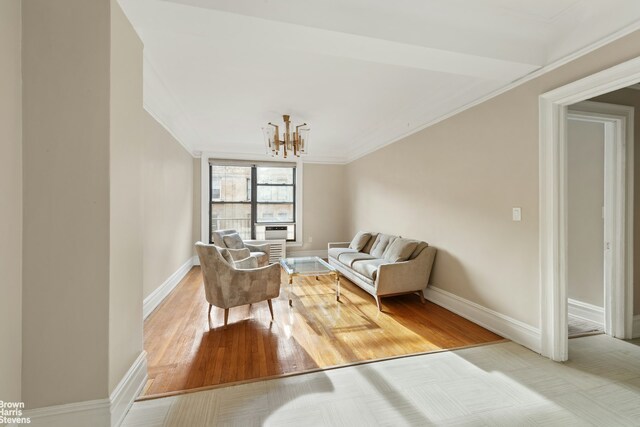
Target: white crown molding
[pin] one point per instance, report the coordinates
(96, 413)
(585, 311)
(161, 122)
(156, 297)
(499, 323)
(248, 155)
(359, 153)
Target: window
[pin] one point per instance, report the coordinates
(251, 198)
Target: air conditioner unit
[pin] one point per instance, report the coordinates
(275, 232)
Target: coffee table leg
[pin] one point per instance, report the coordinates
(290, 290)
(337, 287)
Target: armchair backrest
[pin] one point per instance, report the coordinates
(216, 271)
(218, 236)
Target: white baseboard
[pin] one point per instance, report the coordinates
(155, 298)
(501, 324)
(322, 253)
(80, 414)
(635, 331)
(128, 389)
(585, 311)
(99, 413)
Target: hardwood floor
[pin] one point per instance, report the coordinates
(186, 351)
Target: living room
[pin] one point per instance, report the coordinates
(116, 116)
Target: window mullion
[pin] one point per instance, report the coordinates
(254, 200)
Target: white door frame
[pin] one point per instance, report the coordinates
(618, 135)
(553, 204)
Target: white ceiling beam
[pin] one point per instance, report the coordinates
(264, 34)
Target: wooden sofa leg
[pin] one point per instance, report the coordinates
(378, 302)
(226, 316)
(270, 308)
(421, 297)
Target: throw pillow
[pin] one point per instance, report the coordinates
(233, 241)
(360, 241)
(381, 243)
(400, 250)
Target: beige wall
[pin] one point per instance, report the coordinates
(454, 184)
(167, 193)
(585, 180)
(324, 206)
(65, 63)
(125, 252)
(631, 98)
(11, 206)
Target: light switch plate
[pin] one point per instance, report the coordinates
(517, 214)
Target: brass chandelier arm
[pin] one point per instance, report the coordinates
(291, 139)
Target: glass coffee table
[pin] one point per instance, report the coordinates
(309, 266)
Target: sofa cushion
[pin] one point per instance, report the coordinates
(336, 252)
(369, 268)
(369, 245)
(381, 243)
(233, 241)
(418, 249)
(349, 258)
(360, 240)
(400, 250)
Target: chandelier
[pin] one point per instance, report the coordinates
(294, 142)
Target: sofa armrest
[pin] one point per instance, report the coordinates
(238, 254)
(405, 276)
(338, 245)
(247, 263)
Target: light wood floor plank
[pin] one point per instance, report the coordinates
(186, 350)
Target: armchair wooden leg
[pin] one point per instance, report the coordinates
(226, 316)
(210, 306)
(378, 303)
(421, 296)
(270, 308)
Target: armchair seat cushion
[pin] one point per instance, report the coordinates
(336, 252)
(369, 267)
(350, 257)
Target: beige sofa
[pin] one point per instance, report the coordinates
(384, 265)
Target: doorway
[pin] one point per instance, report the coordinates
(596, 159)
(554, 214)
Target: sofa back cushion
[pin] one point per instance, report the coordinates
(418, 249)
(360, 240)
(400, 250)
(380, 245)
(233, 241)
(369, 245)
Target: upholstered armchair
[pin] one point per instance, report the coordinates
(229, 283)
(230, 239)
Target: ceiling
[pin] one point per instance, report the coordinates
(362, 73)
